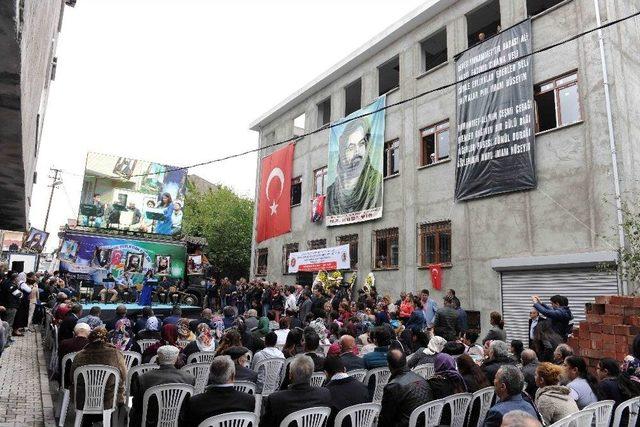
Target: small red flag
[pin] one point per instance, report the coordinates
(436, 276)
(274, 199)
(317, 208)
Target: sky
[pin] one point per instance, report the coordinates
(178, 82)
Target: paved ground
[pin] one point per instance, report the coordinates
(25, 399)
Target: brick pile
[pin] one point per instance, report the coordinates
(612, 324)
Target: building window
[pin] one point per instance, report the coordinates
(299, 125)
(435, 243)
(262, 257)
(434, 50)
(386, 248)
(435, 144)
(317, 244)
(535, 7)
(557, 102)
(287, 249)
(391, 158)
(352, 241)
(296, 191)
(353, 97)
(324, 112)
(320, 181)
(389, 75)
(483, 22)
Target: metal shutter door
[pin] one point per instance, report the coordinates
(579, 285)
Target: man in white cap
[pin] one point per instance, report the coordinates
(166, 374)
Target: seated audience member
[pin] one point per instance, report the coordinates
(205, 317)
(72, 345)
(446, 381)
(552, 399)
(405, 391)
(345, 390)
(300, 395)
(231, 338)
(239, 357)
(152, 329)
(529, 366)
(520, 419)
(219, 397)
(93, 318)
(310, 344)
(517, 347)
(65, 331)
(120, 313)
(169, 337)
(166, 374)
(251, 319)
(453, 348)
(508, 386)
(581, 382)
(269, 351)
(427, 355)
(229, 314)
(293, 343)
(184, 333)
(498, 356)
(378, 357)
(608, 372)
(122, 336)
(561, 352)
(475, 350)
(204, 342)
(176, 314)
(282, 331)
(471, 373)
(350, 360)
(99, 352)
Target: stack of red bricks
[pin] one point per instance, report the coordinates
(611, 325)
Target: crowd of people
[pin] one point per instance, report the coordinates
(330, 330)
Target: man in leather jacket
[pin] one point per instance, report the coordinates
(405, 391)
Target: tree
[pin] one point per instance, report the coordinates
(226, 221)
(630, 254)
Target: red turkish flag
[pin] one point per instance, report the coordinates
(436, 276)
(274, 199)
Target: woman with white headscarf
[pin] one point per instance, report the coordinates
(22, 316)
(427, 355)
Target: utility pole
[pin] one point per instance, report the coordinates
(54, 183)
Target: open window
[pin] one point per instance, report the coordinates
(435, 144)
(353, 97)
(299, 125)
(320, 182)
(434, 50)
(391, 163)
(535, 7)
(296, 191)
(262, 259)
(557, 102)
(386, 249)
(352, 241)
(389, 75)
(288, 249)
(483, 22)
(324, 112)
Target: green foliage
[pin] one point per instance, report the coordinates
(630, 254)
(226, 221)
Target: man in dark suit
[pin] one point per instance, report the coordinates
(166, 374)
(350, 360)
(310, 346)
(239, 357)
(66, 327)
(300, 394)
(345, 390)
(219, 397)
(72, 345)
(534, 318)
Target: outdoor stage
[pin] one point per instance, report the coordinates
(134, 309)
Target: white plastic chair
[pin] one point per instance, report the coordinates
(66, 393)
(170, 398)
(485, 397)
(201, 372)
(603, 411)
(183, 343)
(202, 357)
(145, 344)
(432, 413)
(381, 377)
(317, 379)
(311, 417)
(258, 408)
(130, 357)
(153, 360)
(95, 379)
(231, 419)
(358, 374)
(272, 368)
(581, 418)
(136, 370)
(458, 405)
(426, 370)
(362, 415)
(633, 406)
(245, 387)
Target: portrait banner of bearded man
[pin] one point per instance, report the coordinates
(354, 172)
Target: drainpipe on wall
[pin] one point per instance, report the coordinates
(622, 284)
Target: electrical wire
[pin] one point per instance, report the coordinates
(404, 101)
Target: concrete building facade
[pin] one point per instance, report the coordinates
(28, 36)
(503, 248)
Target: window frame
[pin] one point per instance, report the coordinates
(379, 235)
(423, 56)
(324, 181)
(388, 147)
(259, 253)
(556, 99)
(286, 250)
(320, 107)
(351, 240)
(436, 132)
(383, 66)
(357, 81)
(434, 229)
(295, 181)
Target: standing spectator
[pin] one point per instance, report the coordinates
(545, 342)
(471, 373)
(427, 355)
(345, 390)
(66, 327)
(347, 357)
(12, 295)
(508, 385)
(251, 319)
(406, 307)
(552, 399)
(496, 332)
(291, 299)
(33, 299)
(529, 365)
(405, 391)
(282, 331)
(306, 304)
(378, 357)
(559, 313)
(71, 345)
(300, 394)
(446, 320)
(581, 382)
(239, 356)
(534, 318)
(608, 372)
(451, 293)
(429, 307)
(498, 357)
(166, 374)
(463, 323)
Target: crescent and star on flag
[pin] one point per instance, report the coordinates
(278, 174)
